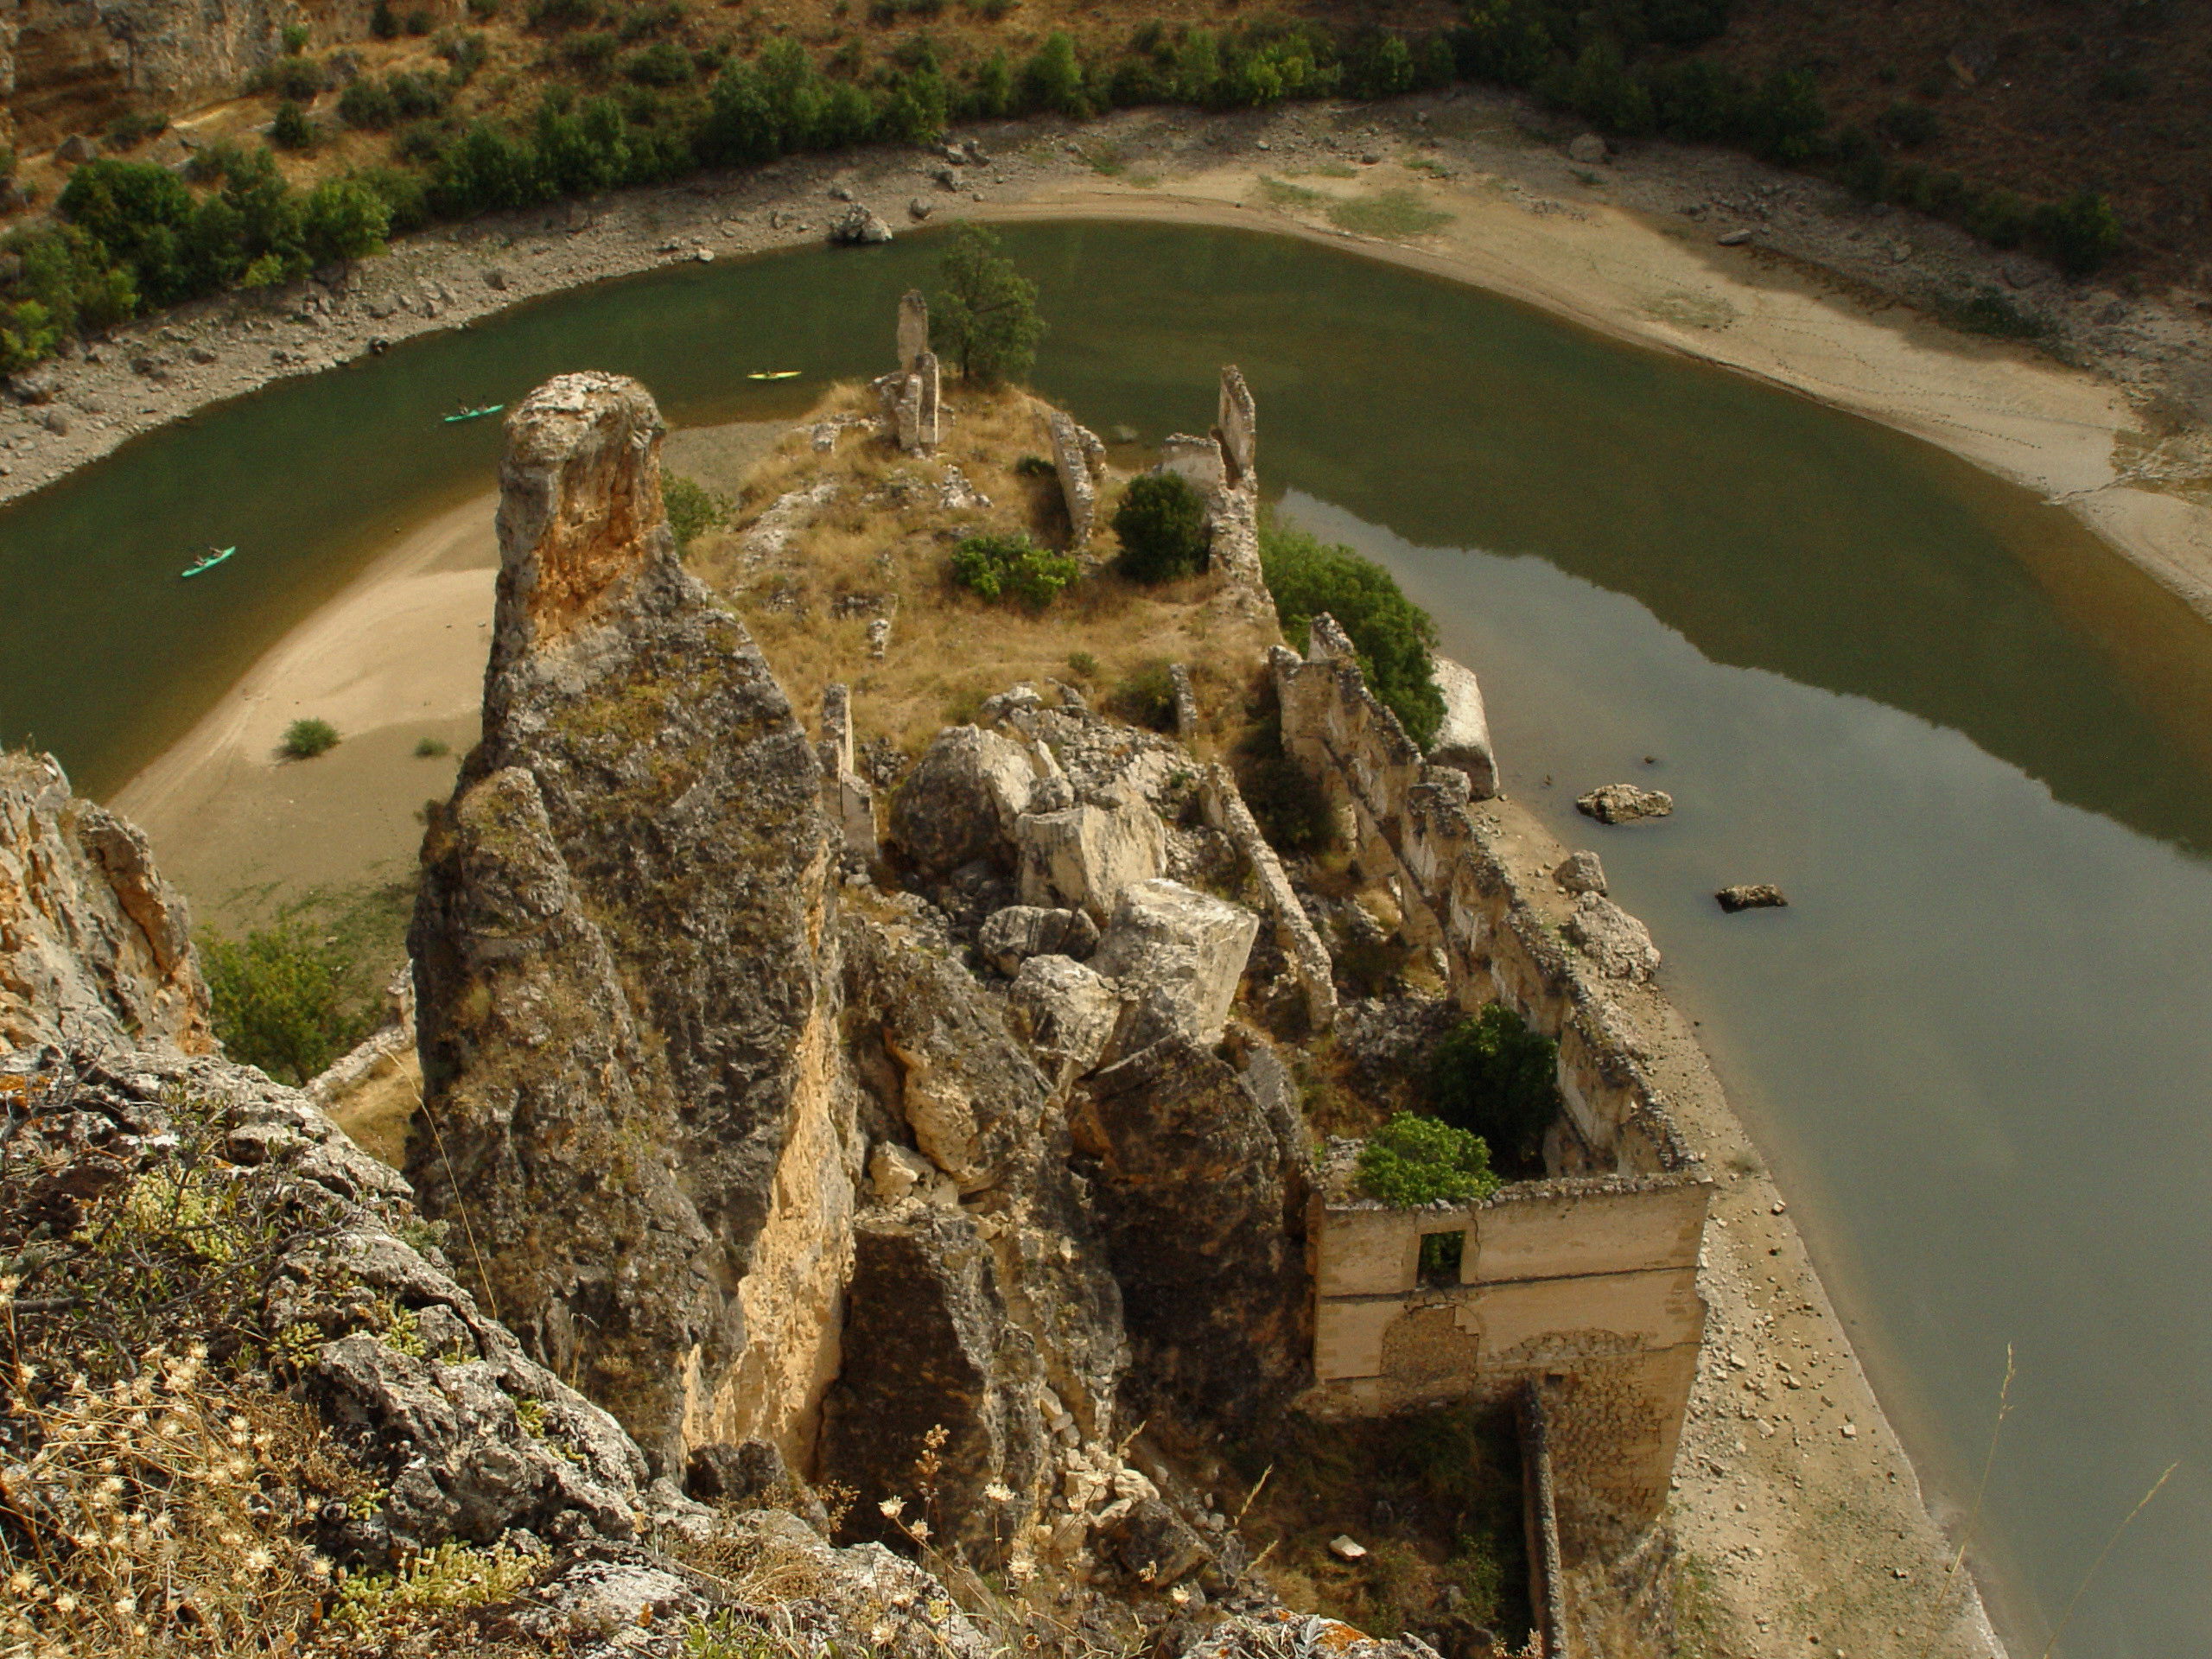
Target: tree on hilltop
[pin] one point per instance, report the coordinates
(985, 316)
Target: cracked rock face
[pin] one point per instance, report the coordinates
(625, 964)
(94, 946)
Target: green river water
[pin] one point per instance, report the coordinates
(1972, 744)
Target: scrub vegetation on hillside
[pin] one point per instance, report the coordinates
(568, 97)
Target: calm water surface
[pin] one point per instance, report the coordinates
(1974, 746)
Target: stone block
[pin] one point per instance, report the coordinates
(1086, 854)
(1181, 954)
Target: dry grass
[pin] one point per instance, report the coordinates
(883, 546)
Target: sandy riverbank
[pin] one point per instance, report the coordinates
(1789, 1514)
(395, 659)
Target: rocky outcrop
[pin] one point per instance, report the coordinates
(94, 946)
(626, 965)
(1624, 804)
(1618, 945)
(1462, 742)
(1080, 460)
(960, 800)
(1200, 1189)
(1757, 895)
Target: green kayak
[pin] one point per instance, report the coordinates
(208, 561)
(473, 413)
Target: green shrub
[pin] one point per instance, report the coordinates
(693, 509)
(986, 313)
(466, 52)
(1910, 124)
(306, 738)
(1012, 567)
(1161, 525)
(2079, 234)
(421, 21)
(128, 132)
(1083, 666)
(429, 748)
(1146, 696)
(300, 79)
(1988, 311)
(1052, 79)
(384, 21)
(280, 1000)
(367, 102)
(665, 63)
(296, 39)
(291, 129)
(1390, 634)
(1035, 466)
(1411, 1161)
(1495, 1077)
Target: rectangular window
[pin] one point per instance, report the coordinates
(1440, 1257)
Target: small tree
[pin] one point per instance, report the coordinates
(693, 508)
(1411, 1161)
(1390, 633)
(384, 21)
(279, 1000)
(1161, 525)
(1495, 1077)
(291, 129)
(986, 313)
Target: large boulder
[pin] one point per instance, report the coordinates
(1083, 855)
(1179, 955)
(1618, 945)
(1067, 1012)
(939, 1387)
(1200, 1187)
(1010, 937)
(1463, 741)
(1624, 804)
(960, 802)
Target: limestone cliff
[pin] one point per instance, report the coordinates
(626, 965)
(95, 948)
(70, 66)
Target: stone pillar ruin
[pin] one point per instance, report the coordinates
(911, 392)
(913, 329)
(1235, 429)
(850, 801)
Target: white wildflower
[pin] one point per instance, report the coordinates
(999, 1492)
(893, 1508)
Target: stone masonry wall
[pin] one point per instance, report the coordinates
(1585, 1286)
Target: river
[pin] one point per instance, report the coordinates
(1973, 745)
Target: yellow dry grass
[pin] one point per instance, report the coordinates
(884, 546)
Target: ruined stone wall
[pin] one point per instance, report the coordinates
(1411, 820)
(1586, 1286)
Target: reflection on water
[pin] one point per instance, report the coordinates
(1974, 748)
